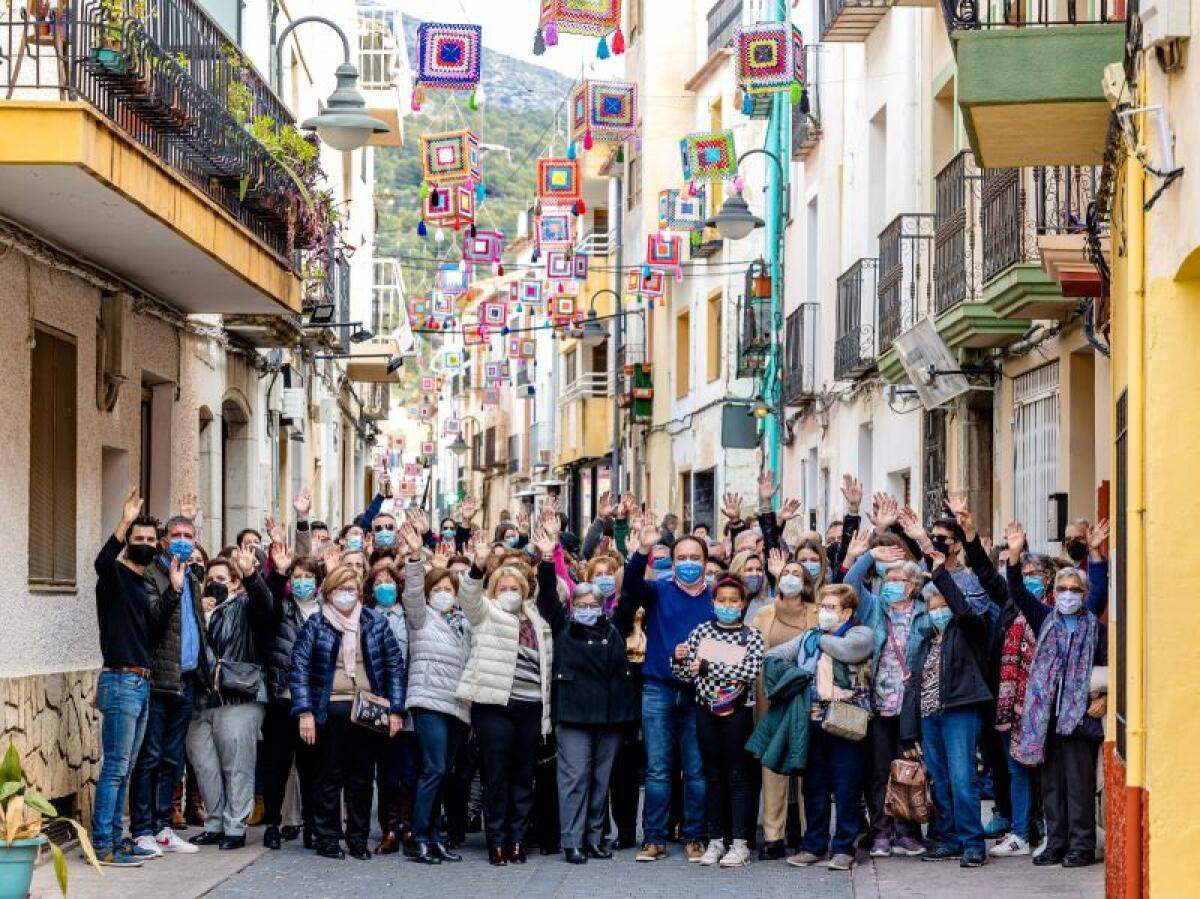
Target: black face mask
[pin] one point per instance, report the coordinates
(218, 591)
(942, 545)
(1077, 550)
(141, 553)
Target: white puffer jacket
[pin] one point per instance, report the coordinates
(437, 653)
(495, 635)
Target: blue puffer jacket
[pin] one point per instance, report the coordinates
(315, 655)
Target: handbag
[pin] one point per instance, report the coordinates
(845, 720)
(370, 711)
(908, 794)
(242, 680)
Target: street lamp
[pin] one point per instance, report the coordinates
(735, 220)
(593, 333)
(344, 123)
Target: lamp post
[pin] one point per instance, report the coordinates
(598, 334)
(344, 124)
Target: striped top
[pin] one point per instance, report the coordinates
(527, 679)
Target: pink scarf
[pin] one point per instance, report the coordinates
(345, 624)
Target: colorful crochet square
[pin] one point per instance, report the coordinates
(452, 206)
(564, 307)
(591, 17)
(449, 56)
(492, 314)
(452, 359)
(418, 307)
(766, 57)
(555, 229)
(663, 251)
(491, 396)
(450, 158)
(443, 305)
(607, 109)
(558, 180)
(522, 348)
(579, 266)
(653, 284)
(484, 248)
(427, 384)
(558, 265)
(709, 156)
(425, 412)
(496, 371)
(428, 448)
(798, 55)
(473, 334)
(680, 211)
(531, 293)
(452, 278)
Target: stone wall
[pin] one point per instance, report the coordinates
(51, 720)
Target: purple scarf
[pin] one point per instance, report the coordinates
(1064, 655)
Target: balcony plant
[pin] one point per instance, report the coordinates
(108, 51)
(22, 815)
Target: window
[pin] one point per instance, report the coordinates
(715, 340)
(52, 429)
(570, 368)
(1035, 450)
(683, 355)
(633, 175)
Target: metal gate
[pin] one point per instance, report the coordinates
(1035, 451)
(934, 473)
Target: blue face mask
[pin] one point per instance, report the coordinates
(447, 534)
(606, 584)
(385, 594)
(662, 569)
(689, 572)
(941, 617)
(354, 544)
(511, 542)
(304, 589)
(727, 615)
(586, 616)
(1036, 585)
(893, 591)
(813, 569)
(384, 539)
(753, 583)
(180, 546)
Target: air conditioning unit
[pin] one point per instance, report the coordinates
(293, 404)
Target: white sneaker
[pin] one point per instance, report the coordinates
(149, 844)
(713, 853)
(169, 841)
(1011, 845)
(738, 855)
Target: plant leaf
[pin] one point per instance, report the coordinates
(10, 768)
(39, 803)
(84, 842)
(14, 813)
(10, 788)
(60, 867)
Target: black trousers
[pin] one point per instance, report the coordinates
(1069, 793)
(509, 736)
(730, 797)
(281, 747)
(991, 748)
(456, 791)
(543, 830)
(345, 757)
(626, 783)
(883, 746)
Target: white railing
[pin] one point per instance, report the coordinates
(379, 49)
(590, 384)
(596, 243)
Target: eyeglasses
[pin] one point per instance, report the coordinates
(383, 527)
(831, 608)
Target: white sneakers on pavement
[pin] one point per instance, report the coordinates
(1011, 845)
(738, 855)
(713, 854)
(149, 844)
(169, 841)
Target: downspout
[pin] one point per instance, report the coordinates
(778, 130)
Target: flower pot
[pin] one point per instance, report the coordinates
(762, 287)
(110, 59)
(16, 865)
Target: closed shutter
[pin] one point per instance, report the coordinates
(1035, 451)
(52, 458)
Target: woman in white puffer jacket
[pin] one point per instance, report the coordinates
(507, 681)
(439, 643)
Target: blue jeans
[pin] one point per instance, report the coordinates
(948, 744)
(669, 727)
(123, 701)
(439, 737)
(835, 769)
(1020, 778)
(160, 763)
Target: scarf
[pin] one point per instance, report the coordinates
(345, 624)
(308, 607)
(1061, 656)
(1016, 658)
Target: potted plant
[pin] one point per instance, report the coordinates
(22, 811)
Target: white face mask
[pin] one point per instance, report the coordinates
(344, 600)
(442, 600)
(791, 585)
(1068, 602)
(510, 600)
(828, 620)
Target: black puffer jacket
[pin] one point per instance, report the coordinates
(240, 629)
(285, 628)
(165, 676)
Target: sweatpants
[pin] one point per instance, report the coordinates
(585, 761)
(222, 748)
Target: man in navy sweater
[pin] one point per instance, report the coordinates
(673, 608)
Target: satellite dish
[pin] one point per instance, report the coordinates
(922, 352)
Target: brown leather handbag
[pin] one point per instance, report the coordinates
(908, 795)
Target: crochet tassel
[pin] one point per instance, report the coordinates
(692, 189)
(679, 274)
(580, 206)
(571, 152)
(418, 97)
(480, 192)
(588, 143)
(797, 93)
(804, 105)
(551, 34)
(539, 43)
(439, 235)
(499, 268)
(473, 101)
(618, 42)
(422, 230)
(602, 49)
(423, 190)
(472, 231)
(747, 103)
(620, 153)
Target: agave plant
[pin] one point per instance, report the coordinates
(24, 812)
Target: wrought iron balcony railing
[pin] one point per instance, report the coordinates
(799, 381)
(973, 14)
(956, 270)
(854, 343)
(724, 17)
(806, 126)
(904, 283)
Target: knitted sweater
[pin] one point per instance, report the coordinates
(722, 687)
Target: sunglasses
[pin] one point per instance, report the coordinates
(383, 527)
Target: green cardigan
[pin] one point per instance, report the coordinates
(780, 741)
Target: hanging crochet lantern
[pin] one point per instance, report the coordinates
(603, 111)
(594, 18)
(450, 158)
(709, 156)
(448, 57)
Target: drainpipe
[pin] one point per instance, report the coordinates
(616, 198)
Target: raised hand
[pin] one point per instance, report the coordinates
(776, 560)
(606, 506)
(441, 556)
(1014, 535)
(939, 559)
(649, 535)
(852, 490)
(766, 487)
(130, 510)
(913, 528)
(544, 542)
(481, 551)
(551, 523)
(887, 512)
(628, 504)
(956, 502)
(731, 506)
(411, 538)
(789, 510)
(177, 572)
(417, 520)
(467, 510)
(302, 503)
(281, 556)
(1097, 536)
(888, 554)
(244, 561)
(858, 545)
(277, 531)
(522, 521)
(189, 505)
(635, 521)
(385, 486)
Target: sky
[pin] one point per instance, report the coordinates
(509, 25)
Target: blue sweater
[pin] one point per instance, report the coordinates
(671, 615)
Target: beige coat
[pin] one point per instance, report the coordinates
(495, 635)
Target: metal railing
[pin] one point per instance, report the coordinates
(380, 48)
(164, 73)
(854, 343)
(589, 384)
(387, 300)
(956, 270)
(515, 442)
(972, 14)
(806, 127)
(799, 380)
(904, 284)
(724, 18)
(829, 12)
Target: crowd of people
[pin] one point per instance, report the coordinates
(544, 689)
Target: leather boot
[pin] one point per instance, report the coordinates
(193, 805)
(178, 822)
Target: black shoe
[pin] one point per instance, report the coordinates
(940, 853)
(233, 842)
(972, 858)
(1079, 859)
(497, 857)
(310, 840)
(271, 837)
(360, 852)
(289, 832)
(516, 854)
(475, 824)
(574, 857)
(1048, 857)
(600, 852)
(331, 852)
(443, 853)
(207, 838)
(548, 850)
(422, 853)
(772, 851)
(622, 843)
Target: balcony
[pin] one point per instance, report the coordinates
(1028, 213)
(806, 127)
(595, 244)
(852, 21)
(724, 19)
(383, 70)
(116, 130)
(799, 382)
(854, 344)
(905, 283)
(585, 418)
(1030, 79)
(706, 243)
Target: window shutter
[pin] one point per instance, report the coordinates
(65, 392)
(52, 457)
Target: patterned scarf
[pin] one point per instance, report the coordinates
(1016, 658)
(347, 626)
(1060, 655)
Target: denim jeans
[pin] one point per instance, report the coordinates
(1020, 779)
(836, 768)
(160, 763)
(948, 744)
(123, 701)
(669, 730)
(439, 737)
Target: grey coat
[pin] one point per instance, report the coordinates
(437, 652)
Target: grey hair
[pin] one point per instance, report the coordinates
(179, 519)
(1078, 573)
(1079, 522)
(912, 571)
(1044, 562)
